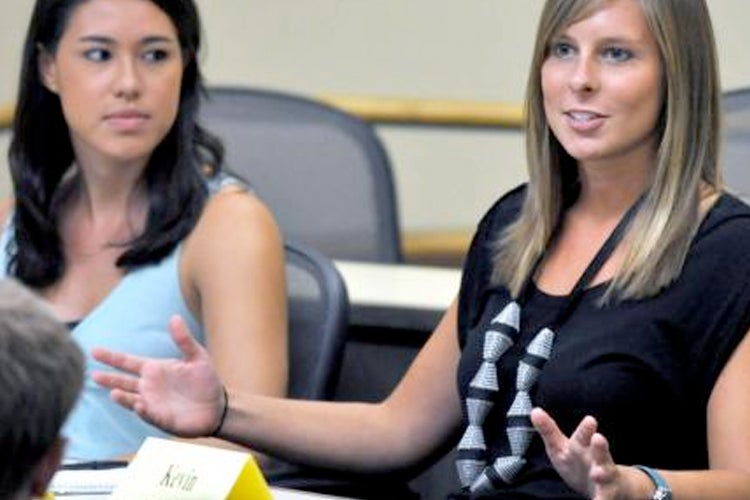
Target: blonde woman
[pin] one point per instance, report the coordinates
(598, 338)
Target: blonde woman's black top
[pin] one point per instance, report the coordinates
(644, 368)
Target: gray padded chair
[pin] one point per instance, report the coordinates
(736, 141)
(318, 309)
(324, 173)
(318, 315)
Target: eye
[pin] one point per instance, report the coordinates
(97, 54)
(156, 55)
(617, 54)
(561, 50)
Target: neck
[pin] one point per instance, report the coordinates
(610, 190)
(609, 186)
(607, 199)
(108, 181)
(104, 212)
(106, 187)
(104, 199)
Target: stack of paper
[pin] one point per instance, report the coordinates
(85, 483)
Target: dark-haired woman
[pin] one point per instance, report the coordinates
(121, 219)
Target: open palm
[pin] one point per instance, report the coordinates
(181, 396)
(583, 460)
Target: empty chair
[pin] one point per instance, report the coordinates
(736, 141)
(318, 315)
(324, 173)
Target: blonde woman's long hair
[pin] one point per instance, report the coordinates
(687, 158)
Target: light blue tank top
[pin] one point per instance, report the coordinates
(133, 318)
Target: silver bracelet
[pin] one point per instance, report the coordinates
(663, 491)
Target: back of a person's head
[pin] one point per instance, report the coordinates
(41, 374)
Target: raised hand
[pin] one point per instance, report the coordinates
(583, 460)
(182, 396)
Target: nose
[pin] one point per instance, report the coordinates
(128, 80)
(585, 78)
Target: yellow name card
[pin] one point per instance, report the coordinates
(174, 470)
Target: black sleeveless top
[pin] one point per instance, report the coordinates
(645, 369)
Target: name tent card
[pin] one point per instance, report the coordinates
(172, 470)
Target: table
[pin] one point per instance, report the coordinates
(398, 296)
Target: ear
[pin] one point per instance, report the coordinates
(46, 468)
(47, 69)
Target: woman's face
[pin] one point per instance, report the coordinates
(118, 71)
(602, 81)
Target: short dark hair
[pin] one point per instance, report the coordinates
(41, 154)
(41, 375)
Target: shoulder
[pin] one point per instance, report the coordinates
(235, 199)
(719, 250)
(6, 209)
(235, 247)
(710, 301)
(234, 217)
(478, 264)
(728, 209)
(500, 215)
(508, 206)
(726, 225)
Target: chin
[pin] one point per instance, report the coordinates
(128, 156)
(585, 154)
(128, 151)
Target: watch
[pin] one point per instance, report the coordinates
(663, 491)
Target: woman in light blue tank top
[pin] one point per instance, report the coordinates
(120, 219)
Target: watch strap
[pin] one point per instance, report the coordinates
(663, 491)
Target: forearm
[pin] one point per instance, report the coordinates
(352, 436)
(693, 485)
(412, 423)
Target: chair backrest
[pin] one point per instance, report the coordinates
(736, 141)
(324, 173)
(318, 316)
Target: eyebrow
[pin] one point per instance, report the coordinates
(149, 40)
(613, 40)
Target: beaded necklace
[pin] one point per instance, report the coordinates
(476, 473)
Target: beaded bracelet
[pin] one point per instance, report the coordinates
(223, 413)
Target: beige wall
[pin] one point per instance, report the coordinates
(468, 49)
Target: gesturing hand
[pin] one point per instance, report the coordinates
(583, 460)
(181, 396)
